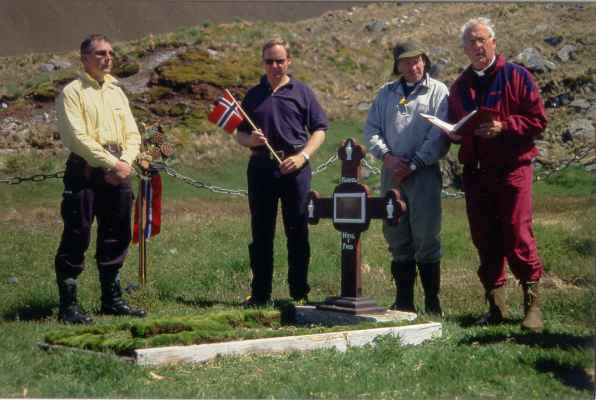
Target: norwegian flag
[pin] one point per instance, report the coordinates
(151, 190)
(225, 113)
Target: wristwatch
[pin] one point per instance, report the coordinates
(306, 156)
(413, 167)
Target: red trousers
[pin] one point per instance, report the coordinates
(499, 206)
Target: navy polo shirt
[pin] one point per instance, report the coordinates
(286, 117)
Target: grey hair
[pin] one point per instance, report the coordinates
(486, 22)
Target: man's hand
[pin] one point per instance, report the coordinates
(399, 165)
(402, 171)
(122, 170)
(257, 138)
(292, 164)
(489, 130)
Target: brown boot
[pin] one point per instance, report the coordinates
(497, 306)
(532, 315)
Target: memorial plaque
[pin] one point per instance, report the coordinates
(351, 210)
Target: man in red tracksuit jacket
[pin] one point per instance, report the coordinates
(497, 157)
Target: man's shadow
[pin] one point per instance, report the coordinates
(35, 311)
(568, 373)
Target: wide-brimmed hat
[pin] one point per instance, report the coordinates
(407, 49)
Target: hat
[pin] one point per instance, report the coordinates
(407, 49)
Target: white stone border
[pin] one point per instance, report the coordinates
(409, 335)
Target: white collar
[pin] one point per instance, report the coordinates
(482, 71)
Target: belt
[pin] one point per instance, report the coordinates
(263, 151)
(114, 149)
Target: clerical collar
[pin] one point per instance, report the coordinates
(482, 72)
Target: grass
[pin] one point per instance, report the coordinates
(199, 264)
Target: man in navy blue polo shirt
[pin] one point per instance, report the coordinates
(292, 121)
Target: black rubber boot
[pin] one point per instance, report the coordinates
(404, 274)
(430, 276)
(112, 302)
(70, 312)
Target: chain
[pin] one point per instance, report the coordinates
(373, 170)
(15, 180)
(330, 161)
(576, 157)
(202, 185)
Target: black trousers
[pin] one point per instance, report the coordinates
(267, 186)
(87, 196)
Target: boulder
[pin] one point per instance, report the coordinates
(60, 63)
(554, 40)
(376, 26)
(581, 104)
(46, 67)
(580, 128)
(533, 60)
(567, 53)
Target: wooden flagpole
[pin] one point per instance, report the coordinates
(254, 127)
(141, 205)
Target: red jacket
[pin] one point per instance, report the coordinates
(509, 90)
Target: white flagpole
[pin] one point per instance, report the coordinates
(254, 127)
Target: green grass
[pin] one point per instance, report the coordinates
(199, 264)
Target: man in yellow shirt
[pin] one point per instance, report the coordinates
(97, 126)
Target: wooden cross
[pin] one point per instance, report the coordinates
(351, 210)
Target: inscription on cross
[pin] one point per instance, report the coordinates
(351, 210)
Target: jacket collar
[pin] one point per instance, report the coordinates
(90, 81)
(491, 71)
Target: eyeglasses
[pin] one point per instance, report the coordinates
(477, 40)
(278, 62)
(103, 53)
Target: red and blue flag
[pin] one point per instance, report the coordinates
(151, 191)
(225, 113)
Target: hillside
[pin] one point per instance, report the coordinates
(344, 55)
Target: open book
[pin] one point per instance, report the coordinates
(471, 120)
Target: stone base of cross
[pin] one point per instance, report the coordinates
(351, 210)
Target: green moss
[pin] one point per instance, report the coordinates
(195, 66)
(44, 91)
(211, 327)
(126, 69)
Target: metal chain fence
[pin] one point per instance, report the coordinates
(331, 160)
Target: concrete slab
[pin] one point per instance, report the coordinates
(312, 315)
(409, 335)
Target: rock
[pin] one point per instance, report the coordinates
(60, 63)
(46, 67)
(214, 54)
(363, 106)
(554, 40)
(540, 28)
(125, 69)
(581, 104)
(12, 280)
(376, 26)
(360, 87)
(580, 128)
(567, 53)
(592, 112)
(532, 59)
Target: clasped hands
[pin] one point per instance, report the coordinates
(119, 174)
(486, 130)
(399, 165)
(287, 166)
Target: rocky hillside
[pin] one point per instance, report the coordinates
(344, 55)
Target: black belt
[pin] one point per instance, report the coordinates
(114, 149)
(263, 151)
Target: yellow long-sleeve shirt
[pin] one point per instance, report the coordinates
(91, 116)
